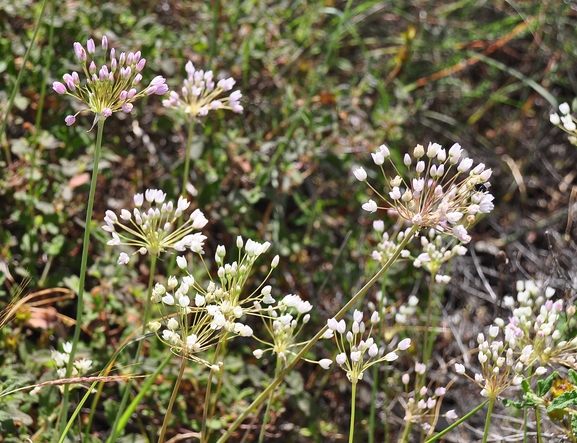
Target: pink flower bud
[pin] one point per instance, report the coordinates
(92, 67)
(122, 58)
(123, 95)
(127, 107)
(90, 47)
(137, 56)
(140, 65)
(104, 43)
(106, 112)
(69, 120)
(130, 59)
(137, 79)
(79, 51)
(59, 88)
(131, 93)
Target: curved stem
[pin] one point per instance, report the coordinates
(116, 428)
(268, 405)
(172, 399)
(4, 118)
(458, 422)
(488, 419)
(83, 266)
(353, 406)
(264, 394)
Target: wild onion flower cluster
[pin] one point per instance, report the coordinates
(197, 317)
(113, 86)
(283, 322)
(153, 227)
(500, 366)
(398, 312)
(387, 245)
(421, 404)
(543, 323)
(443, 190)
(435, 253)
(357, 354)
(566, 122)
(200, 94)
(80, 367)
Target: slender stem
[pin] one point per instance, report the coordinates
(83, 266)
(458, 422)
(538, 420)
(220, 349)
(116, 429)
(428, 341)
(268, 405)
(4, 118)
(353, 407)
(406, 431)
(264, 394)
(187, 157)
(172, 399)
(488, 419)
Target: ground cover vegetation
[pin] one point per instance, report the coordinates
(296, 221)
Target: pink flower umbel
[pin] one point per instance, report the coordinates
(440, 190)
(200, 94)
(111, 87)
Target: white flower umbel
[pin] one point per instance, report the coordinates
(440, 190)
(284, 322)
(435, 252)
(542, 322)
(111, 87)
(357, 354)
(421, 403)
(202, 93)
(152, 227)
(387, 243)
(80, 366)
(501, 366)
(196, 317)
(565, 122)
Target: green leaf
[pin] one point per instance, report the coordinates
(543, 386)
(515, 404)
(566, 399)
(573, 376)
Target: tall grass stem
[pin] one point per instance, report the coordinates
(4, 118)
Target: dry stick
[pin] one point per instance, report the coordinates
(264, 394)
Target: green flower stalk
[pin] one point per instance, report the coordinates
(199, 95)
